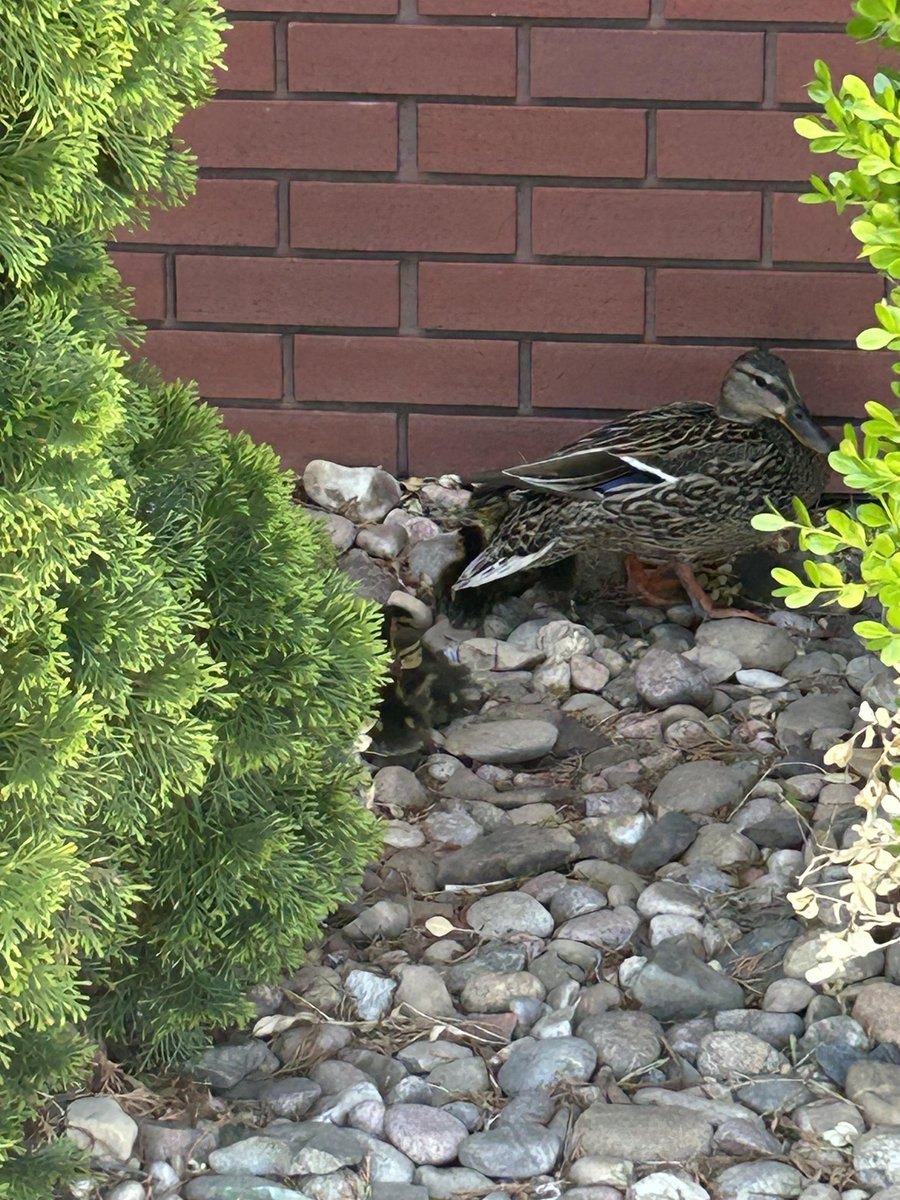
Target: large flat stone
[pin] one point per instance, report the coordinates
(512, 741)
(643, 1135)
(508, 854)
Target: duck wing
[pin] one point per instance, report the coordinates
(646, 448)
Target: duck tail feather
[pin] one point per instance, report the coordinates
(487, 569)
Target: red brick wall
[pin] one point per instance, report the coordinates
(447, 235)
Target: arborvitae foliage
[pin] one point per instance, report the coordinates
(182, 668)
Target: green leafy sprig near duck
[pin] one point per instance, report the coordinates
(673, 486)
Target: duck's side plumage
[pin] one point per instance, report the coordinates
(676, 483)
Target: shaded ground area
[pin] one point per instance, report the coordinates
(574, 970)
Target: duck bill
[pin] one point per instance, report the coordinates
(805, 430)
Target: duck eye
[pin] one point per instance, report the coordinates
(759, 381)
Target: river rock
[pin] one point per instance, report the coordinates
(429, 559)
(382, 541)
(371, 993)
(423, 989)
(759, 1180)
(510, 912)
(508, 853)
(756, 645)
(362, 494)
(663, 679)
(665, 840)
(643, 1135)
(238, 1187)
(397, 787)
(876, 1157)
(99, 1125)
(607, 928)
(560, 641)
(445, 1183)
(676, 985)
(505, 741)
(877, 1009)
(818, 711)
(224, 1066)
(291, 1098)
(540, 1064)
(875, 1087)
(664, 1185)
(704, 786)
(494, 991)
(517, 1150)
(425, 1135)
(624, 1041)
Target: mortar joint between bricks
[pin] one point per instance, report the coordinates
(770, 70)
(409, 295)
(524, 199)
(407, 139)
(281, 56)
(523, 64)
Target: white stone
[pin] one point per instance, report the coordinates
(663, 1185)
(555, 678)
(360, 493)
(371, 993)
(762, 681)
(98, 1124)
(562, 640)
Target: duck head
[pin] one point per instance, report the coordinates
(759, 386)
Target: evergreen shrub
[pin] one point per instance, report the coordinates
(183, 670)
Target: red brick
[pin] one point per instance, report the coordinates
(287, 291)
(812, 232)
(404, 216)
(405, 370)
(428, 60)
(709, 144)
(646, 64)
(519, 296)
(797, 53)
(646, 223)
(226, 366)
(342, 7)
(146, 274)
(599, 375)
(223, 212)
(818, 11)
(604, 375)
(559, 10)
(808, 306)
(467, 445)
(300, 135)
(249, 57)
(838, 383)
(300, 435)
(499, 140)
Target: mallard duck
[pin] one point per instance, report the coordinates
(673, 486)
